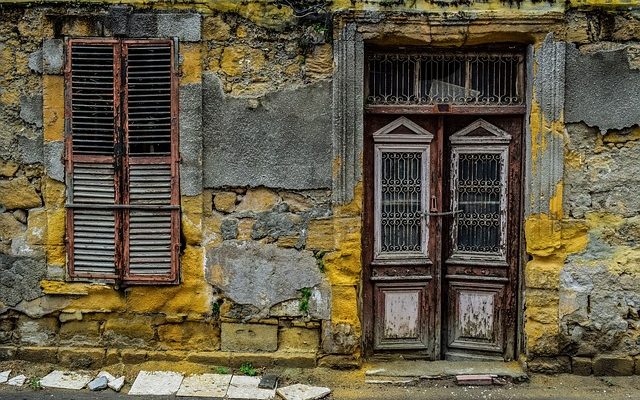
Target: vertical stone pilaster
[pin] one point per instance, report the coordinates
(348, 105)
(547, 147)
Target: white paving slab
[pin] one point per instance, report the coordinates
(17, 380)
(66, 380)
(157, 383)
(246, 387)
(4, 376)
(205, 385)
(303, 392)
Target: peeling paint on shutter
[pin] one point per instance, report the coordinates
(122, 162)
(153, 218)
(92, 110)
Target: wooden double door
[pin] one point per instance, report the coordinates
(441, 235)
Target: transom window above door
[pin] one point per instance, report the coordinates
(480, 78)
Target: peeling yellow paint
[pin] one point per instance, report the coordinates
(191, 63)
(53, 107)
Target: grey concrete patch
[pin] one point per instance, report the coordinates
(262, 269)
(20, 279)
(65, 380)
(549, 91)
(191, 139)
(550, 78)
(142, 25)
(31, 148)
(595, 305)
(602, 90)
(53, 56)
(409, 369)
(246, 387)
(185, 27)
(35, 61)
(31, 109)
(117, 21)
(53, 160)
(303, 392)
(205, 385)
(283, 142)
(156, 383)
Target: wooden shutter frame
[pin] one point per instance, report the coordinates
(121, 170)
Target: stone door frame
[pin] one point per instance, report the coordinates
(543, 165)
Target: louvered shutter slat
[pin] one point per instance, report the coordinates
(93, 122)
(151, 233)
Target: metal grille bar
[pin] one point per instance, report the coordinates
(439, 77)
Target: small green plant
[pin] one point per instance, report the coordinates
(319, 255)
(222, 370)
(215, 309)
(247, 369)
(304, 301)
(34, 383)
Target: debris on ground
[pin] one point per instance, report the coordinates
(4, 376)
(475, 380)
(157, 383)
(17, 380)
(246, 387)
(303, 392)
(268, 381)
(65, 380)
(205, 385)
(99, 383)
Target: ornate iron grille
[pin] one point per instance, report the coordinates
(401, 187)
(479, 192)
(480, 78)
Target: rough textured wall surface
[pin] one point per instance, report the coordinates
(599, 307)
(279, 140)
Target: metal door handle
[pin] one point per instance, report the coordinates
(439, 214)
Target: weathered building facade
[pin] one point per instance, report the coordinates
(311, 183)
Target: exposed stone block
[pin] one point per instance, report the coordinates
(112, 356)
(7, 353)
(81, 358)
(128, 331)
(190, 335)
(19, 193)
(132, 356)
(298, 340)
(550, 365)
(38, 354)
(294, 360)
(225, 201)
(258, 200)
(53, 160)
(39, 332)
(10, 227)
(219, 358)
(166, 356)
(249, 337)
(611, 365)
(320, 235)
(581, 366)
(80, 332)
(339, 362)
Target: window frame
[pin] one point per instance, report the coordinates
(121, 161)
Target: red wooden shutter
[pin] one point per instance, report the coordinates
(152, 222)
(92, 77)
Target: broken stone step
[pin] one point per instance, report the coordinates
(303, 392)
(99, 383)
(4, 376)
(156, 383)
(65, 380)
(474, 380)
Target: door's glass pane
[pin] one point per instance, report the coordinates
(401, 209)
(479, 191)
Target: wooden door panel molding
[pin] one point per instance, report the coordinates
(476, 316)
(402, 315)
